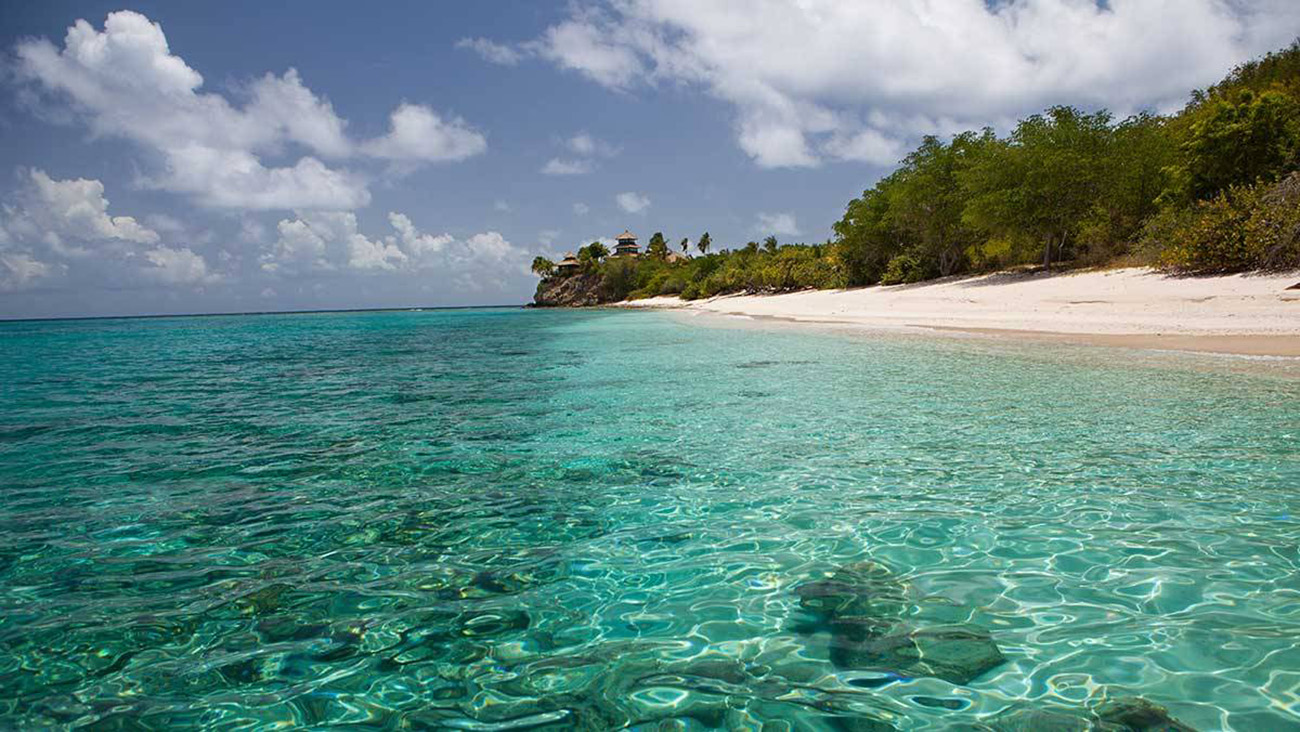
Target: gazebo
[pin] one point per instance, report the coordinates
(626, 245)
(568, 265)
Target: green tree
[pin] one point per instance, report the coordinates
(618, 279)
(770, 245)
(685, 244)
(591, 255)
(543, 267)
(705, 243)
(1038, 186)
(866, 238)
(1132, 177)
(658, 246)
(927, 201)
(1255, 136)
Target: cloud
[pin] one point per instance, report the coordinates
(421, 245)
(587, 146)
(332, 241)
(547, 237)
(634, 203)
(51, 224)
(581, 209)
(562, 166)
(597, 49)
(418, 133)
(584, 150)
(780, 224)
(178, 267)
(501, 205)
(125, 82)
(71, 212)
(19, 270)
(812, 80)
(491, 51)
(329, 240)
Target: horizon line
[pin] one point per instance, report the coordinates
(409, 308)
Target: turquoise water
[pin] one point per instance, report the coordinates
(503, 519)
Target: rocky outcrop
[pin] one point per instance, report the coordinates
(571, 291)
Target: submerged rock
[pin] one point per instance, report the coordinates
(864, 606)
(958, 654)
(1136, 714)
(1039, 720)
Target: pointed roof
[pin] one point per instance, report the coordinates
(625, 235)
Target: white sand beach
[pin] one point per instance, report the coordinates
(1243, 314)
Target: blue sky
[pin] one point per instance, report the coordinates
(187, 157)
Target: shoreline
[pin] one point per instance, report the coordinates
(1248, 315)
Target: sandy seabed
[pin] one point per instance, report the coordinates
(1138, 308)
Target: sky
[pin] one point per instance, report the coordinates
(167, 157)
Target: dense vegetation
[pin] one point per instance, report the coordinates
(1214, 188)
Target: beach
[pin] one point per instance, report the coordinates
(1138, 308)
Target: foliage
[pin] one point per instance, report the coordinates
(903, 269)
(543, 267)
(1243, 228)
(618, 278)
(592, 255)
(1237, 140)
(1274, 226)
(658, 246)
(1213, 188)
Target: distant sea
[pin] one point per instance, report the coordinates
(507, 519)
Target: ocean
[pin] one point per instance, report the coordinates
(516, 519)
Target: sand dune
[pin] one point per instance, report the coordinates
(1248, 314)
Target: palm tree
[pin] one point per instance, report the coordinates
(543, 267)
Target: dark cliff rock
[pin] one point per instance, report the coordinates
(572, 291)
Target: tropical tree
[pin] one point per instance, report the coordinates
(770, 244)
(543, 267)
(685, 244)
(658, 246)
(591, 255)
(704, 243)
(1039, 185)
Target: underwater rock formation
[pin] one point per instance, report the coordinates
(865, 608)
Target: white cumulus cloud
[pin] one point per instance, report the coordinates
(631, 202)
(124, 81)
(332, 240)
(178, 267)
(67, 213)
(780, 224)
(418, 133)
(566, 166)
(19, 270)
(811, 80)
(53, 227)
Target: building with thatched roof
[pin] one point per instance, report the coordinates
(626, 245)
(569, 265)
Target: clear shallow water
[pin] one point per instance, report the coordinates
(500, 519)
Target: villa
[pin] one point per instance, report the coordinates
(626, 245)
(568, 265)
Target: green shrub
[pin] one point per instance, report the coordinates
(905, 268)
(1208, 238)
(618, 279)
(1273, 230)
